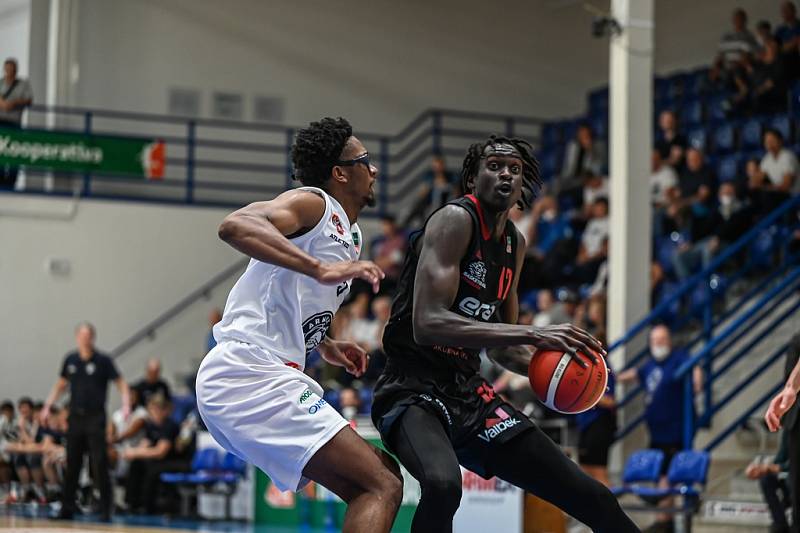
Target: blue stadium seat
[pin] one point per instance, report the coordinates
(365, 395)
(717, 107)
(783, 124)
(728, 167)
(551, 134)
(205, 463)
(698, 138)
(676, 84)
(232, 469)
(691, 113)
(696, 83)
(724, 138)
(643, 466)
(687, 476)
(550, 163)
(751, 134)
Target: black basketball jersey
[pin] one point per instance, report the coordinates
(487, 272)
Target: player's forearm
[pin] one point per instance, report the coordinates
(513, 358)
(262, 241)
(450, 329)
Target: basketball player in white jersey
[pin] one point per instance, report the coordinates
(251, 390)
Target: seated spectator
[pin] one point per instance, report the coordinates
(594, 188)
(125, 430)
(439, 187)
(26, 454)
(156, 453)
(788, 36)
(549, 246)
(711, 234)
(8, 434)
(771, 484)
(672, 144)
(663, 180)
(152, 383)
(691, 200)
(54, 451)
(593, 249)
(548, 311)
(349, 403)
(388, 251)
(584, 155)
(737, 45)
(771, 184)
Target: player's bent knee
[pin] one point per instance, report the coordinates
(442, 491)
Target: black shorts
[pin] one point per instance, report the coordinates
(474, 417)
(595, 440)
(670, 450)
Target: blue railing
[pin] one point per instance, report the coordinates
(228, 163)
(721, 343)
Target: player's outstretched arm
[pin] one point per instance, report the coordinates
(259, 230)
(446, 240)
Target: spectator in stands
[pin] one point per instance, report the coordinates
(365, 330)
(550, 246)
(388, 251)
(664, 403)
(737, 45)
(54, 452)
(349, 403)
(771, 484)
(788, 36)
(663, 180)
(8, 434)
(26, 459)
(548, 311)
(763, 34)
(594, 188)
(729, 221)
(157, 452)
(593, 249)
(87, 372)
(214, 316)
(672, 143)
(152, 383)
(696, 182)
(125, 430)
(771, 184)
(584, 155)
(15, 96)
(770, 81)
(439, 187)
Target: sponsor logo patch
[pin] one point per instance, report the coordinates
(315, 327)
(338, 223)
(438, 403)
(317, 406)
(474, 308)
(340, 240)
(496, 426)
(306, 395)
(476, 274)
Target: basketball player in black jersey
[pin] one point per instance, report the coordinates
(457, 295)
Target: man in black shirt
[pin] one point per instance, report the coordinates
(457, 295)
(158, 452)
(152, 384)
(87, 372)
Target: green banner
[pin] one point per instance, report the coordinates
(82, 153)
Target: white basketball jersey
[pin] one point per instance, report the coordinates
(286, 313)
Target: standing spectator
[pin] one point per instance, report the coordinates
(663, 180)
(214, 316)
(672, 143)
(738, 45)
(15, 96)
(664, 411)
(152, 383)
(771, 184)
(388, 251)
(593, 249)
(584, 155)
(782, 412)
(157, 452)
(763, 34)
(87, 372)
(788, 36)
(770, 81)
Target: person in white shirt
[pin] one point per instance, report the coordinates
(252, 393)
(774, 180)
(663, 180)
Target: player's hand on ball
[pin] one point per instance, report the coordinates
(335, 273)
(569, 339)
(778, 407)
(347, 354)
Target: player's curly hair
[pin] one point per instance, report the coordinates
(317, 148)
(531, 179)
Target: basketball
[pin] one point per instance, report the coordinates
(562, 385)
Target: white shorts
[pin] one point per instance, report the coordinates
(267, 413)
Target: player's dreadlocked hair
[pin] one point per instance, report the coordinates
(317, 148)
(531, 180)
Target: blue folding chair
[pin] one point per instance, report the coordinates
(691, 112)
(718, 107)
(698, 138)
(728, 167)
(724, 138)
(643, 466)
(783, 124)
(751, 134)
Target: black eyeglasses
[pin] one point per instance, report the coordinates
(362, 159)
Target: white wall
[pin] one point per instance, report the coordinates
(15, 31)
(379, 63)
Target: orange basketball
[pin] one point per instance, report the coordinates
(562, 385)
